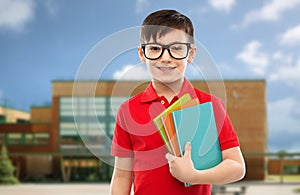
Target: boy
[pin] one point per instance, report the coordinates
(166, 49)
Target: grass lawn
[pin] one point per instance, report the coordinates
(286, 178)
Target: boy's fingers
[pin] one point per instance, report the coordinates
(170, 157)
(188, 148)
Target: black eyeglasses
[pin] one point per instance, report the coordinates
(154, 51)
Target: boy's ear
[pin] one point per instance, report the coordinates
(192, 54)
(141, 55)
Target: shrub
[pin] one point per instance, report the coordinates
(7, 169)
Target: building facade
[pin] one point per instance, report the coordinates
(75, 132)
(12, 115)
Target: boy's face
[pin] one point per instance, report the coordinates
(167, 69)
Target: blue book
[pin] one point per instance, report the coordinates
(197, 125)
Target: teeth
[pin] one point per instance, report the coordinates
(166, 68)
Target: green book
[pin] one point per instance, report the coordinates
(158, 123)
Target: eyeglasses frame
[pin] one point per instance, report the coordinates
(143, 46)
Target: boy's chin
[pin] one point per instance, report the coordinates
(169, 81)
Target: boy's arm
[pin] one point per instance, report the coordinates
(122, 177)
(231, 169)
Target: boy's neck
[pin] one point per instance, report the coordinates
(168, 90)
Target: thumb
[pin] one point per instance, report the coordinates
(170, 157)
(187, 150)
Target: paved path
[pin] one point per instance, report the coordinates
(103, 189)
(55, 189)
(261, 188)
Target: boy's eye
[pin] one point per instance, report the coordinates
(155, 48)
(176, 47)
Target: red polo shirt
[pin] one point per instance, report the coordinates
(136, 136)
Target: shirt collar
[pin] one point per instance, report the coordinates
(150, 93)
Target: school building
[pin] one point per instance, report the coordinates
(49, 146)
(12, 115)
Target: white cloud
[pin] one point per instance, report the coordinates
(278, 55)
(256, 59)
(271, 11)
(287, 73)
(291, 37)
(132, 72)
(15, 14)
(222, 5)
(281, 58)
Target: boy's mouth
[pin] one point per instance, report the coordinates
(166, 68)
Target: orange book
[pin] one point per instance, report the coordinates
(168, 124)
(158, 123)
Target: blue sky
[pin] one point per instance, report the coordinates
(45, 40)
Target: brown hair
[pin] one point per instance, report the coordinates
(161, 22)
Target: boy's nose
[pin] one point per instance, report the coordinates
(165, 56)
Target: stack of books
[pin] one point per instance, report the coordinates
(188, 121)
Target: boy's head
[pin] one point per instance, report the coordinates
(167, 45)
(161, 22)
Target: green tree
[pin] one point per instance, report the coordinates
(6, 169)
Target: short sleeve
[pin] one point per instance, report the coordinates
(121, 143)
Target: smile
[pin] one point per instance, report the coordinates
(166, 68)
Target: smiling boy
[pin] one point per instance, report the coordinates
(167, 46)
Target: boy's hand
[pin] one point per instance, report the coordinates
(182, 168)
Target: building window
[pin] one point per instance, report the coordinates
(22, 121)
(87, 120)
(25, 138)
(2, 119)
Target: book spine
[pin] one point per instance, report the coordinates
(177, 135)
